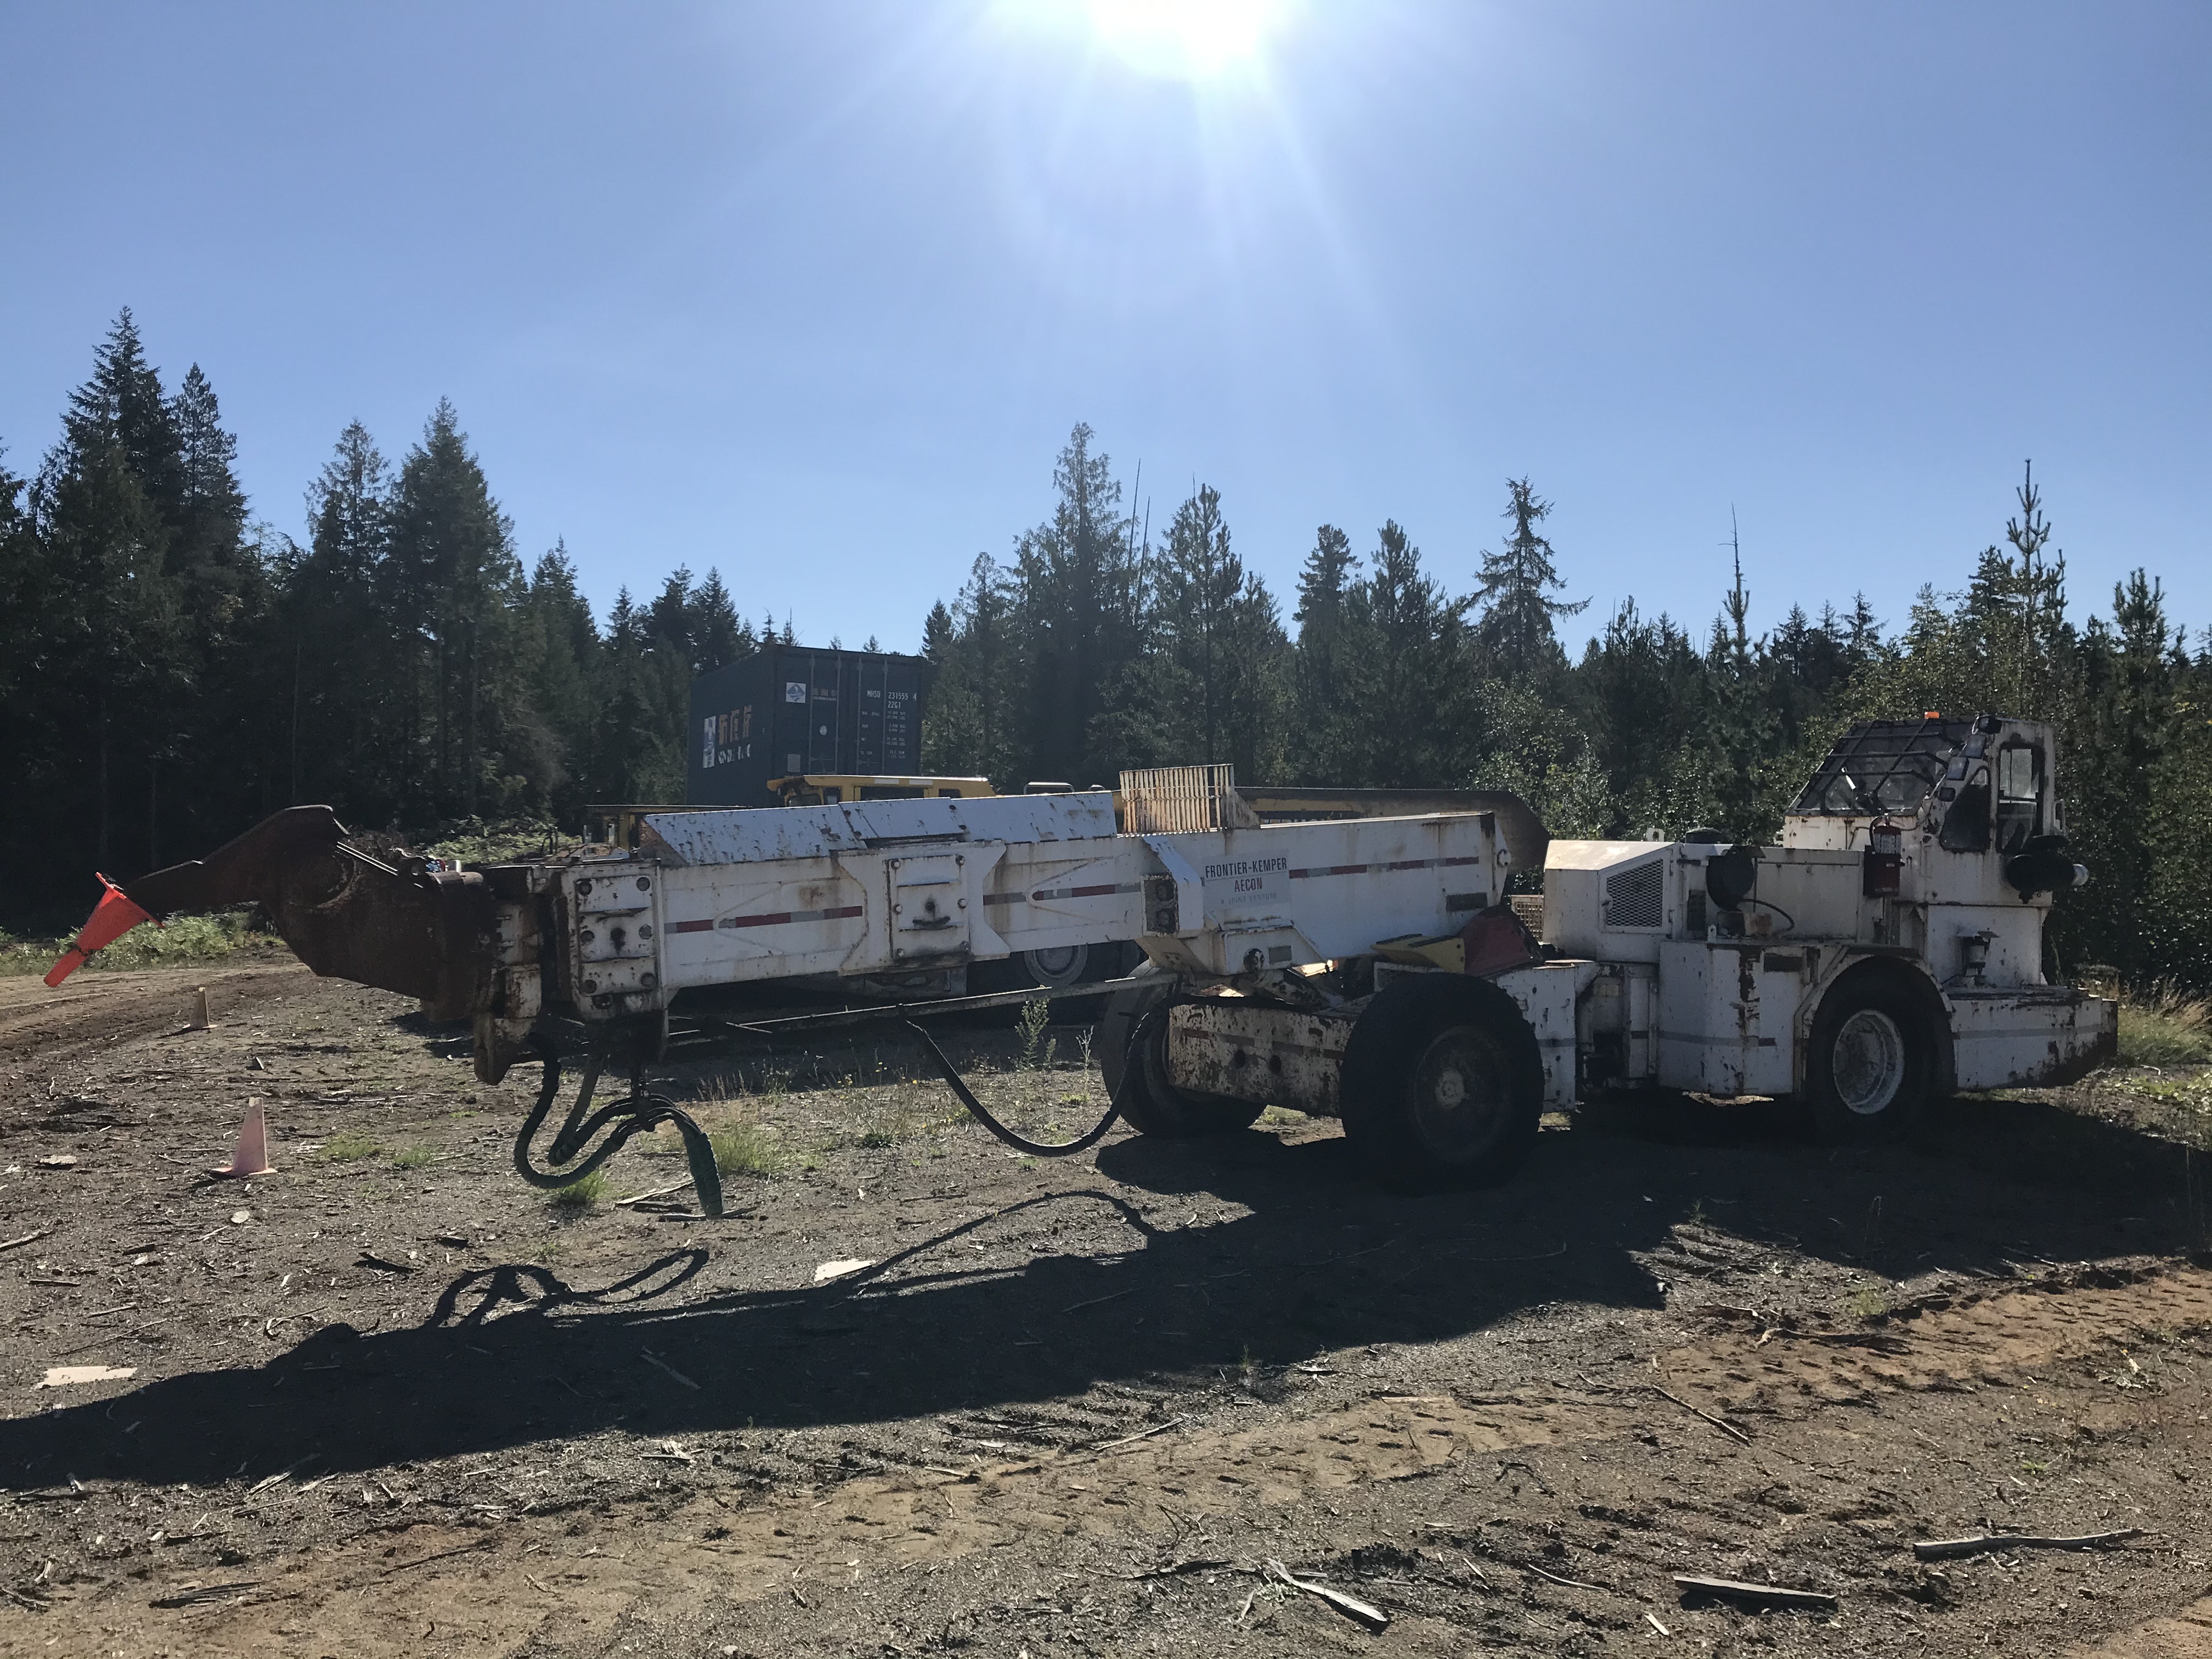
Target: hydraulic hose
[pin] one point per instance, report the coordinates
(981, 1113)
(641, 1110)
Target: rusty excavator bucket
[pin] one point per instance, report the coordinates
(346, 915)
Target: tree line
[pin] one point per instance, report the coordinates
(1093, 648)
(173, 668)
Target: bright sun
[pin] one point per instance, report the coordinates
(1191, 40)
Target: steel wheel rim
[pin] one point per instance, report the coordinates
(1461, 1094)
(1868, 1065)
(1056, 966)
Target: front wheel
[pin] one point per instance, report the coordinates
(1442, 1085)
(1871, 1068)
(1132, 1057)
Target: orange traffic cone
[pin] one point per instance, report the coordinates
(111, 917)
(251, 1156)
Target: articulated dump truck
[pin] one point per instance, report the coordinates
(1889, 950)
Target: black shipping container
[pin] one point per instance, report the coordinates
(788, 710)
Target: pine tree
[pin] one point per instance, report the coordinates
(1410, 721)
(1081, 607)
(564, 653)
(1214, 693)
(636, 756)
(2016, 611)
(1639, 697)
(455, 579)
(117, 670)
(1317, 742)
(1513, 597)
(123, 398)
(1739, 728)
(969, 727)
(718, 637)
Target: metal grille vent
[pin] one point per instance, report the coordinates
(1632, 897)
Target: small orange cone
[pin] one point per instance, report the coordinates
(111, 917)
(251, 1156)
(200, 1020)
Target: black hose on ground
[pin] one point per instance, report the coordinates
(981, 1113)
(642, 1110)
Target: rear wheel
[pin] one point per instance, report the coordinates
(1049, 968)
(1132, 1054)
(1441, 1086)
(1871, 1067)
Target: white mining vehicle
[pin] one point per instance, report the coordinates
(1889, 950)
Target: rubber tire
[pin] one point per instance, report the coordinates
(1837, 1123)
(1408, 1022)
(1018, 973)
(1133, 1044)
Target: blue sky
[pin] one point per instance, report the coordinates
(813, 294)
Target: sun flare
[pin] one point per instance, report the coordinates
(1191, 40)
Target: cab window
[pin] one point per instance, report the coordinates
(2020, 794)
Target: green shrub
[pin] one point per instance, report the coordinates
(1037, 1014)
(473, 841)
(184, 940)
(1872, 1302)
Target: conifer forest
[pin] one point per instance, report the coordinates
(174, 665)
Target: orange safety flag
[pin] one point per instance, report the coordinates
(111, 917)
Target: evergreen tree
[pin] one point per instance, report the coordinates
(563, 650)
(348, 723)
(1409, 719)
(1212, 685)
(1739, 729)
(1513, 597)
(1081, 600)
(116, 671)
(969, 724)
(455, 580)
(1639, 697)
(719, 636)
(1316, 745)
(637, 757)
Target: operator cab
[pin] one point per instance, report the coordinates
(1977, 786)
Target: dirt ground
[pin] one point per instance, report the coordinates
(392, 1400)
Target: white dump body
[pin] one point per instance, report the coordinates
(882, 889)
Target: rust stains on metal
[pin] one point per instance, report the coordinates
(405, 928)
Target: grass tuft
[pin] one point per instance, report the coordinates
(414, 1158)
(587, 1194)
(2161, 1024)
(343, 1149)
(1872, 1302)
(746, 1148)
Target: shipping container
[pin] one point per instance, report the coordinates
(788, 709)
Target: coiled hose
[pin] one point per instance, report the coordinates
(642, 1110)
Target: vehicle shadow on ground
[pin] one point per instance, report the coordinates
(1314, 1259)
